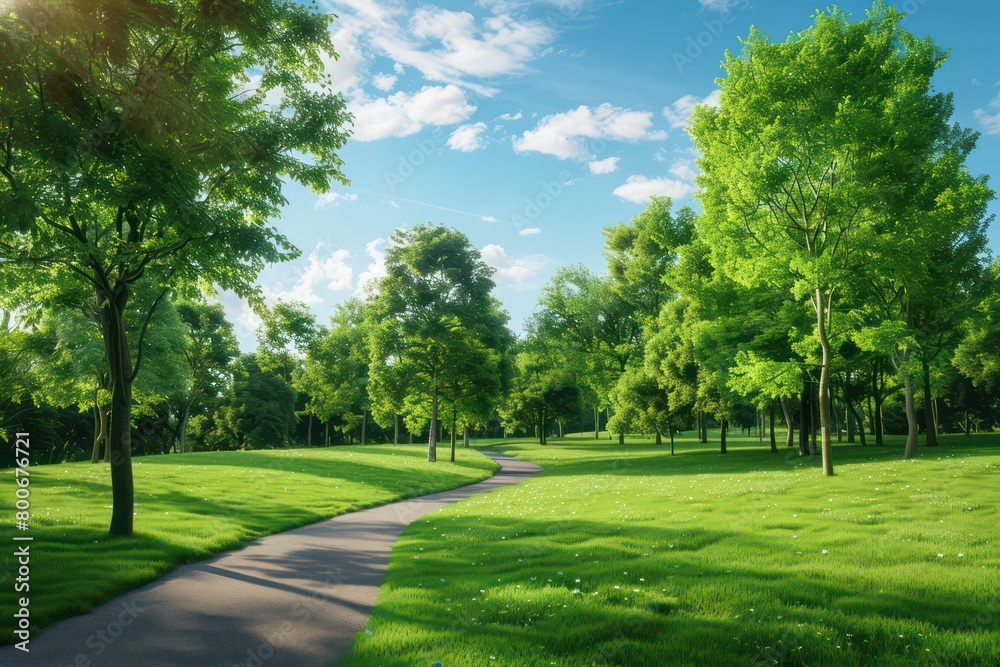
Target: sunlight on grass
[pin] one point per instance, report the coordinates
(628, 556)
(191, 506)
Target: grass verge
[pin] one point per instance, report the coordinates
(628, 556)
(192, 506)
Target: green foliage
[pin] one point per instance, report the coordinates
(257, 408)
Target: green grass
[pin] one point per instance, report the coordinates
(191, 506)
(628, 556)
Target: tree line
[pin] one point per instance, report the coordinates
(835, 280)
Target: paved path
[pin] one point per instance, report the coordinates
(294, 599)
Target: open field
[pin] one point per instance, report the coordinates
(191, 506)
(628, 556)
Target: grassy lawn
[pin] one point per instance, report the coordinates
(628, 556)
(191, 506)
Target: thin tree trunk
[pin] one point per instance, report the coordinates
(607, 419)
(804, 412)
(454, 419)
(789, 424)
(911, 419)
(928, 406)
(395, 431)
(851, 424)
(670, 431)
(309, 436)
(937, 423)
(659, 437)
(559, 421)
(760, 426)
(465, 438)
(859, 420)
(120, 434)
(966, 421)
(704, 427)
(597, 423)
(326, 433)
(723, 425)
(774, 442)
(432, 432)
(364, 427)
(824, 384)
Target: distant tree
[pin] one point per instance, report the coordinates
(432, 319)
(255, 410)
(210, 348)
(137, 151)
(286, 331)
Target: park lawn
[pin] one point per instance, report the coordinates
(628, 556)
(192, 506)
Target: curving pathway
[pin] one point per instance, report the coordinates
(293, 599)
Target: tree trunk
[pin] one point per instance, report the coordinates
(309, 435)
(607, 419)
(804, 412)
(597, 423)
(454, 419)
(326, 433)
(789, 424)
(859, 420)
(774, 442)
(928, 406)
(723, 425)
(851, 424)
(364, 427)
(621, 438)
(704, 427)
(432, 432)
(877, 418)
(911, 419)
(966, 421)
(395, 431)
(826, 446)
(659, 437)
(670, 431)
(465, 438)
(937, 423)
(120, 435)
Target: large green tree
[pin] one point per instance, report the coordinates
(137, 147)
(811, 139)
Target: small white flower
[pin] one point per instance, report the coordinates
(825, 551)
(940, 555)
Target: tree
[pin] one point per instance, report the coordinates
(811, 138)
(431, 318)
(335, 373)
(210, 348)
(256, 408)
(141, 153)
(286, 330)
(640, 404)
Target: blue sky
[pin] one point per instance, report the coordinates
(531, 125)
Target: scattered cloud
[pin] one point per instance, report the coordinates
(606, 166)
(384, 82)
(718, 5)
(684, 170)
(467, 138)
(565, 135)
(331, 273)
(510, 271)
(679, 112)
(489, 218)
(528, 231)
(375, 249)
(639, 189)
(508, 117)
(402, 114)
(328, 199)
(990, 119)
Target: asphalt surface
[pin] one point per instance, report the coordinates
(295, 599)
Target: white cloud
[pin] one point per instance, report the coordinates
(718, 5)
(368, 279)
(467, 138)
(528, 231)
(332, 273)
(639, 189)
(510, 271)
(606, 166)
(507, 116)
(565, 135)
(684, 170)
(679, 112)
(489, 218)
(402, 114)
(328, 199)
(990, 120)
(384, 81)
